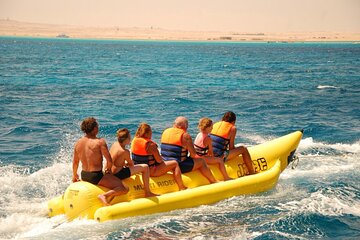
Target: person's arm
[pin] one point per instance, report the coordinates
(75, 166)
(153, 150)
(189, 145)
(105, 152)
(232, 138)
(128, 159)
(208, 142)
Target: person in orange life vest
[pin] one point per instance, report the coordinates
(123, 166)
(204, 149)
(89, 150)
(176, 143)
(144, 150)
(223, 141)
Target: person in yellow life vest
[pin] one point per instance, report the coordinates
(177, 144)
(223, 141)
(123, 166)
(145, 151)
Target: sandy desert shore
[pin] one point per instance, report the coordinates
(24, 29)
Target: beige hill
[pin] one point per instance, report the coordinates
(24, 29)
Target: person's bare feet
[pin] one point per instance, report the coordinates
(102, 198)
(228, 178)
(182, 188)
(151, 194)
(109, 199)
(216, 181)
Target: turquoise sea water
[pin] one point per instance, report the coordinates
(47, 86)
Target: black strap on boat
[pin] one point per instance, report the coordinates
(295, 161)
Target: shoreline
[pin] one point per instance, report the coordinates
(11, 28)
(180, 41)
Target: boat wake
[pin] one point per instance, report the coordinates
(327, 202)
(309, 144)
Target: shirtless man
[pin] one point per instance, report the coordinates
(123, 166)
(90, 151)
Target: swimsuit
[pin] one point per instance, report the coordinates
(123, 173)
(187, 165)
(92, 177)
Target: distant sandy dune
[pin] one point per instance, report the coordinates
(24, 29)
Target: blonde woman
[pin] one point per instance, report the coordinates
(203, 146)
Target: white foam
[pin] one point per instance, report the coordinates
(48, 180)
(15, 223)
(326, 87)
(323, 158)
(59, 227)
(322, 166)
(309, 143)
(24, 195)
(278, 233)
(328, 205)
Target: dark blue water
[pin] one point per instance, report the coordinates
(47, 86)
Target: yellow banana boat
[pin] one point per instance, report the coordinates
(269, 160)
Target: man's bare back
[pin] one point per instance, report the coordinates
(89, 153)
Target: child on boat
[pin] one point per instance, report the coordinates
(203, 146)
(123, 166)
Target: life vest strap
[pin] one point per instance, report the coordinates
(141, 159)
(201, 151)
(171, 151)
(220, 144)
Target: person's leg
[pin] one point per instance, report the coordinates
(246, 157)
(115, 184)
(177, 173)
(199, 163)
(220, 162)
(145, 173)
(166, 166)
(233, 153)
